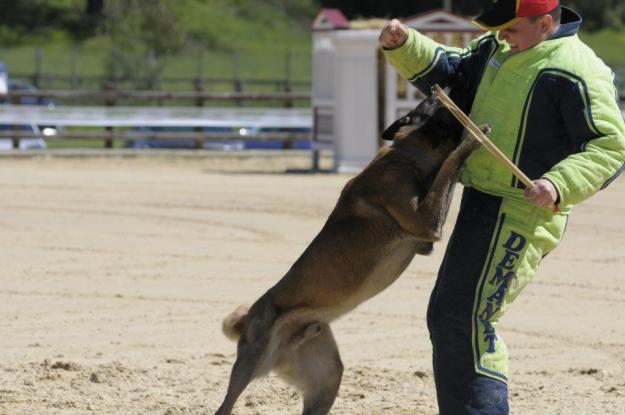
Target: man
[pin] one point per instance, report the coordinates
(551, 104)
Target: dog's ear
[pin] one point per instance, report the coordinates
(416, 118)
(389, 133)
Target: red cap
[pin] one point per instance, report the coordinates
(504, 13)
(527, 8)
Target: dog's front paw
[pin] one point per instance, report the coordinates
(469, 144)
(472, 142)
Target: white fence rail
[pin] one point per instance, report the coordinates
(283, 124)
(70, 116)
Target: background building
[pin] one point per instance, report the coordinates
(355, 93)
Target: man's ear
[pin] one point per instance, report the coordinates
(546, 25)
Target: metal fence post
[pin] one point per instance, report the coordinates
(109, 102)
(315, 140)
(72, 67)
(238, 83)
(15, 100)
(37, 74)
(287, 81)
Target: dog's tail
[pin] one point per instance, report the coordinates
(234, 323)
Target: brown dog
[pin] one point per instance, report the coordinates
(394, 209)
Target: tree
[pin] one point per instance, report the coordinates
(141, 37)
(94, 7)
(598, 14)
(374, 8)
(393, 8)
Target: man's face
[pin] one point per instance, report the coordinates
(525, 33)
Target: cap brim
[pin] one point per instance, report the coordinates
(496, 19)
(495, 28)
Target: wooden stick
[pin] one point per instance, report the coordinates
(479, 135)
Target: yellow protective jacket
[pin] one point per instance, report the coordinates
(553, 109)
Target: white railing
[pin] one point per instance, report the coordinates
(70, 116)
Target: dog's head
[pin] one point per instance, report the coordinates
(413, 120)
(430, 123)
(431, 120)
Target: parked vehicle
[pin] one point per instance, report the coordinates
(261, 138)
(243, 138)
(16, 85)
(4, 79)
(6, 142)
(213, 144)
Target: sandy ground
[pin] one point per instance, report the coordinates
(115, 275)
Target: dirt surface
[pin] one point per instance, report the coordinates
(115, 275)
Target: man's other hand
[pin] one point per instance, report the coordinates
(393, 35)
(543, 194)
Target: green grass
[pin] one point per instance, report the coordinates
(80, 143)
(88, 60)
(223, 41)
(249, 39)
(609, 45)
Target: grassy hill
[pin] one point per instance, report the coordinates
(250, 37)
(223, 38)
(609, 45)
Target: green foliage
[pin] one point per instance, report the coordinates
(24, 20)
(131, 25)
(145, 40)
(300, 10)
(245, 25)
(609, 45)
(140, 37)
(599, 14)
(9, 36)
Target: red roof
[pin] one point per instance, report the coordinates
(330, 19)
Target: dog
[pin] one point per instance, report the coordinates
(394, 209)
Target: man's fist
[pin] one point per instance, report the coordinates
(393, 35)
(543, 194)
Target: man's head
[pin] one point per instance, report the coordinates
(522, 23)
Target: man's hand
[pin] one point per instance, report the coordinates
(543, 194)
(393, 35)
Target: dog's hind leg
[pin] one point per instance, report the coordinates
(314, 366)
(321, 368)
(256, 352)
(243, 372)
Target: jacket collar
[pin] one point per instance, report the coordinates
(569, 24)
